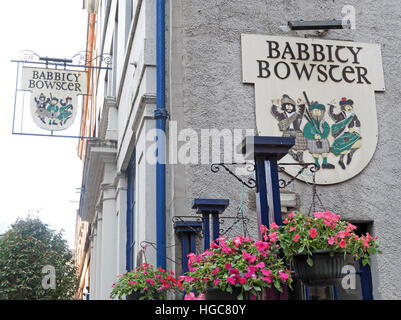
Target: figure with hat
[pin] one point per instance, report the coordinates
(289, 116)
(53, 111)
(345, 130)
(316, 131)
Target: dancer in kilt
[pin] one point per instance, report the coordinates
(290, 117)
(346, 131)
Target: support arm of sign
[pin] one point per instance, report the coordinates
(266, 151)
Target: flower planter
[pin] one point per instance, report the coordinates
(326, 269)
(137, 296)
(217, 294)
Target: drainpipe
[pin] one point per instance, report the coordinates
(160, 116)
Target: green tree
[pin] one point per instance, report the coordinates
(35, 263)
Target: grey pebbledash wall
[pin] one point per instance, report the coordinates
(206, 91)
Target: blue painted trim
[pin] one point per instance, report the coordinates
(161, 141)
(335, 293)
(216, 226)
(273, 184)
(130, 213)
(307, 295)
(263, 212)
(206, 231)
(192, 242)
(185, 248)
(366, 282)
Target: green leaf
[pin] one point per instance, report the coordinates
(301, 249)
(309, 261)
(277, 285)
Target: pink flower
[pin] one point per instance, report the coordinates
(225, 248)
(248, 256)
(227, 266)
(342, 243)
(267, 279)
(216, 282)
(242, 280)
(292, 229)
(330, 240)
(233, 280)
(296, 238)
(266, 273)
(291, 215)
(263, 229)
(262, 245)
(132, 282)
(238, 241)
(273, 236)
(151, 281)
(220, 239)
(234, 271)
(313, 233)
(273, 225)
(215, 271)
(191, 296)
(261, 265)
(284, 276)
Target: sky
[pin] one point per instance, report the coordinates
(38, 175)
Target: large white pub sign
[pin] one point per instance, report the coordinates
(320, 92)
(54, 95)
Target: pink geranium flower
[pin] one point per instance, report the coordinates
(233, 280)
(284, 276)
(342, 243)
(313, 233)
(296, 238)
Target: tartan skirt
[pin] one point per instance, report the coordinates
(300, 140)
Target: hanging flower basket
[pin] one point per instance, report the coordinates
(236, 269)
(317, 246)
(325, 270)
(145, 283)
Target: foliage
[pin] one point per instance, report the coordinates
(301, 234)
(239, 264)
(25, 249)
(148, 282)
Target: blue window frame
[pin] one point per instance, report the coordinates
(130, 250)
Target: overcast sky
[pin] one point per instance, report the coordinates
(39, 175)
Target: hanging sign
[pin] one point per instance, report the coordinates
(320, 92)
(54, 95)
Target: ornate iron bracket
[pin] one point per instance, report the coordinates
(281, 168)
(250, 183)
(81, 59)
(237, 219)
